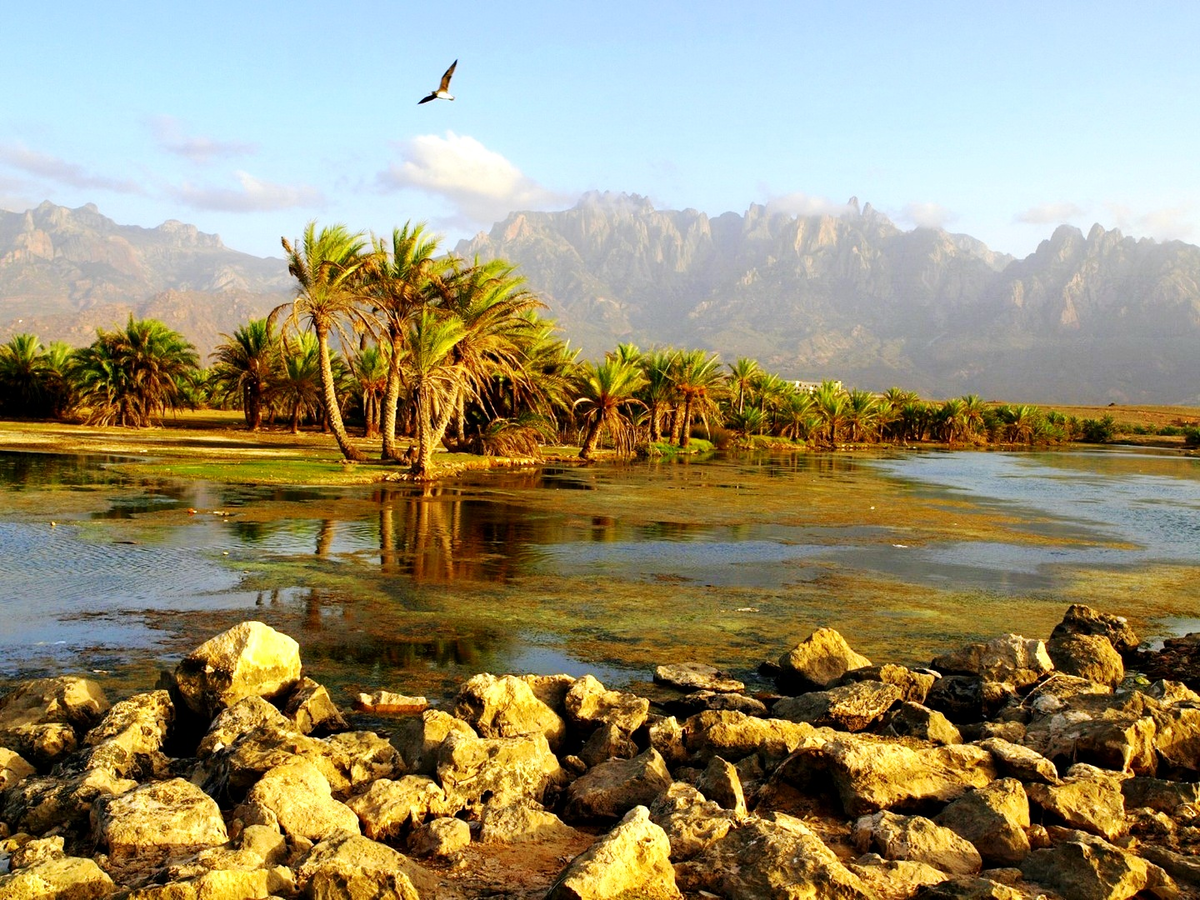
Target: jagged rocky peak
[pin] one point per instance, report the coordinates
(615, 202)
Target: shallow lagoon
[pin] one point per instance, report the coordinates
(608, 569)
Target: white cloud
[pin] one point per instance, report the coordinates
(1050, 213)
(802, 204)
(482, 186)
(253, 196)
(927, 215)
(43, 165)
(199, 149)
(1173, 223)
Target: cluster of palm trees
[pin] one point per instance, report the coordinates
(419, 344)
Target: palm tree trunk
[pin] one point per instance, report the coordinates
(390, 401)
(332, 411)
(687, 422)
(590, 439)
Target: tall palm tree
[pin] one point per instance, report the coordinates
(134, 376)
(741, 376)
(297, 385)
(330, 267)
(658, 392)
(491, 302)
(244, 366)
(862, 415)
(698, 379)
(799, 415)
(404, 277)
(832, 408)
(434, 379)
(607, 395)
(369, 369)
(24, 377)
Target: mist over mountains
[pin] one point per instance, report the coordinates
(1090, 318)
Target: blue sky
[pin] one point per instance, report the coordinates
(1000, 120)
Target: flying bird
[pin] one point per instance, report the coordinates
(443, 91)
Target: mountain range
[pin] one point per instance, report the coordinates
(1090, 318)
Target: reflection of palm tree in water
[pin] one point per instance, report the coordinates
(325, 538)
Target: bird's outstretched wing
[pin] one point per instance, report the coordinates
(432, 96)
(445, 85)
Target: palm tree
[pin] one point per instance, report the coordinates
(658, 392)
(698, 378)
(369, 368)
(800, 419)
(862, 416)
(297, 384)
(402, 279)
(607, 394)
(134, 376)
(329, 267)
(832, 409)
(770, 392)
(434, 379)
(493, 306)
(973, 414)
(244, 366)
(741, 376)
(25, 380)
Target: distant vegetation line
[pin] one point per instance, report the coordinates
(402, 342)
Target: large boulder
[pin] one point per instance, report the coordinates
(128, 742)
(589, 704)
(720, 782)
(521, 823)
(912, 684)
(871, 774)
(296, 798)
(735, 735)
(695, 676)
(775, 857)
(613, 788)
(918, 839)
(909, 719)
(691, 822)
(1091, 869)
(44, 719)
(1009, 659)
(249, 660)
(818, 661)
(894, 879)
(850, 707)
(1020, 762)
(13, 768)
(1112, 731)
(1081, 619)
(41, 802)
(151, 824)
(418, 738)
(505, 706)
(1088, 799)
(632, 860)
(240, 719)
(1089, 656)
(993, 818)
(389, 807)
(61, 878)
(353, 866)
(475, 771)
(312, 710)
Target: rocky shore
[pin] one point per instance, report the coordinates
(1015, 768)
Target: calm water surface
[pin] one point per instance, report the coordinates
(607, 570)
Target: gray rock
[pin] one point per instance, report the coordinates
(775, 857)
(909, 719)
(851, 707)
(611, 789)
(818, 661)
(697, 677)
(505, 706)
(917, 839)
(720, 782)
(387, 808)
(440, 837)
(632, 860)
(250, 659)
(1081, 619)
(1008, 659)
(700, 701)
(1089, 656)
(993, 818)
(1095, 870)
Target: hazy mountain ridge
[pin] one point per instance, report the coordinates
(1089, 319)
(1094, 318)
(65, 272)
